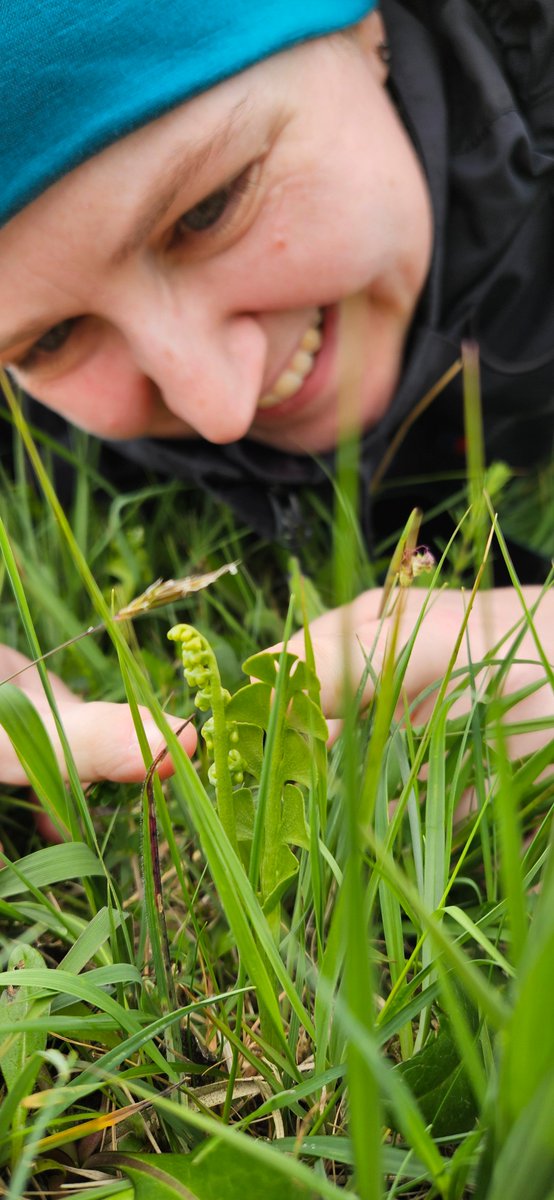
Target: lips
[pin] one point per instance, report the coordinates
(291, 380)
(317, 381)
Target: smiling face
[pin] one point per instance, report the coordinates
(188, 280)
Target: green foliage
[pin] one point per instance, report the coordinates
(355, 993)
(23, 1045)
(49, 865)
(237, 740)
(26, 731)
(215, 1172)
(437, 1080)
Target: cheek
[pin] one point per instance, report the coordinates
(318, 238)
(107, 396)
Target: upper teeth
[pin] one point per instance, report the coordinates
(300, 365)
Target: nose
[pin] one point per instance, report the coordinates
(207, 365)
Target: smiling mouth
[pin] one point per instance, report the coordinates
(297, 370)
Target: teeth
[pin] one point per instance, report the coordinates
(302, 363)
(287, 384)
(269, 400)
(292, 378)
(311, 341)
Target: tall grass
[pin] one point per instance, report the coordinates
(380, 1022)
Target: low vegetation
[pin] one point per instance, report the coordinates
(293, 969)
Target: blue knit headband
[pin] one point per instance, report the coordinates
(76, 75)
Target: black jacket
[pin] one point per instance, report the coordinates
(474, 83)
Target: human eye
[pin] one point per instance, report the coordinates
(48, 346)
(205, 214)
(215, 210)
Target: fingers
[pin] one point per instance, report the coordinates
(12, 662)
(103, 742)
(101, 735)
(351, 643)
(105, 746)
(346, 642)
(335, 728)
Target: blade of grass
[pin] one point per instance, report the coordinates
(475, 459)
(18, 1182)
(364, 1100)
(90, 944)
(510, 843)
(80, 812)
(52, 864)
(288, 1168)
(398, 1094)
(479, 991)
(391, 917)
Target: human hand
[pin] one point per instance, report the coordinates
(101, 735)
(358, 632)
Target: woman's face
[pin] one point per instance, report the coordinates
(187, 281)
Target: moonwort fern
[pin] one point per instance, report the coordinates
(260, 742)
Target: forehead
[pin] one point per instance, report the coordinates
(75, 75)
(184, 143)
(163, 155)
(194, 133)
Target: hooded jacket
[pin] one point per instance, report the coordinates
(473, 81)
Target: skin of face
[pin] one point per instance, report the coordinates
(307, 192)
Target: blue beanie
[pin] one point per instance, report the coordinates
(77, 75)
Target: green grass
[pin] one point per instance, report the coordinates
(355, 994)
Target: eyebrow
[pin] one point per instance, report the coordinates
(187, 162)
